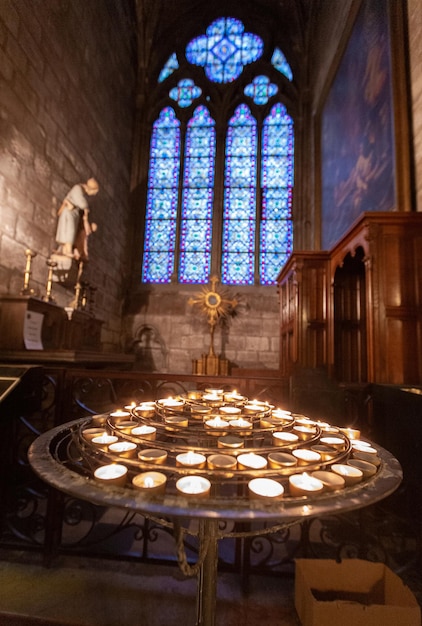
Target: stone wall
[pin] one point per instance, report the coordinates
(67, 81)
(415, 48)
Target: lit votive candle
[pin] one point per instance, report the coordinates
(174, 422)
(278, 460)
(213, 399)
(217, 424)
(130, 407)
(221, 462)
(306, 457)
(125, 449)
(196, 486)
(113, 474)
(334, 442)
(150, 483)
(229, 412)
(305, 485)
(190, 459)
(330, 480)
(195, 394)
(144, 432)
(250, 460)
(119, 415)
(279, 416)
(153, 455)
(214, 392)
(230, 441)
(174, 404)
(265, 489)
(233, 396)
(281, 438)
(200, 412)
(351, 475)
(103, 441)
(255, 407)
(244, 427)
(368, 469)
(145, 409)
(352, 433)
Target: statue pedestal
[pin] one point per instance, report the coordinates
(211, 365)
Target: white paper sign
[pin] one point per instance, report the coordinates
(32, 330)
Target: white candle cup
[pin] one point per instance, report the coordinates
(229, 412)
(214, 392)
(351, 475)
(367, 453)
(306, 457)
(243, 427)
(280, 460)
(304, 485)
(368, 469)
(130, 407)
(283, 439)
(265, 489)
(103, 441)
(217, 425)
(194, 486)
(221, 462)
(190, 459)
(153, 455)
(251, 461)
(213, 399)
(150, 483)
(113, 474)
(230, 441)
(144, 432)
(200, 412)
(145, 409)
(125, 449)
(233, 397)
(119, 416)
(255, 407)
(333, 442)
(172, 404)
(330, 480)
(304, 432)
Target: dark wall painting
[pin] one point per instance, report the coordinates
(357, 138)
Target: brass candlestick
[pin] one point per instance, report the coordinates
(30, 254)
(51, 265)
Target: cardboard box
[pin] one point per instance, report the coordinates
(352, 593)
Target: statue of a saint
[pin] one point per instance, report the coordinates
(73, 226)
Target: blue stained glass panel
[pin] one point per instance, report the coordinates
(276, 228)
(260, 89)
(239, 216)
(198, 196)
(161, 210)
(224, 50)
(171, 65)
(278, 60)
(185, 92)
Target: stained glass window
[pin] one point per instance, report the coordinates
(224, 50)
(276, 192)
(161, 210)
(240, 199)
(198, 195)
(219, 193)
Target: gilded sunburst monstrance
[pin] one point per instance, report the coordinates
(216, 305)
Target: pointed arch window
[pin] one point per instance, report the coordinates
(219, 198)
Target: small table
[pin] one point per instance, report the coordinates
(53, 456)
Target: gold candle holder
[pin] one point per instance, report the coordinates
(90, 433)
(230, 441)
(334, 442)
(351, 475)
(153, 455)
(49, 286)
(283, 439)
(125, 426)
(144, 409)
(30, 254)
(175, 422)
(221, 462)
(330, 480)
(250, 460)
(368, 469)
(279, 460)
(150, 483)
(306, 457)
(103, 441)
(304, 485)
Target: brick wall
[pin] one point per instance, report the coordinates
(67, 80)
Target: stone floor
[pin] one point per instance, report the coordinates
(90, 592)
